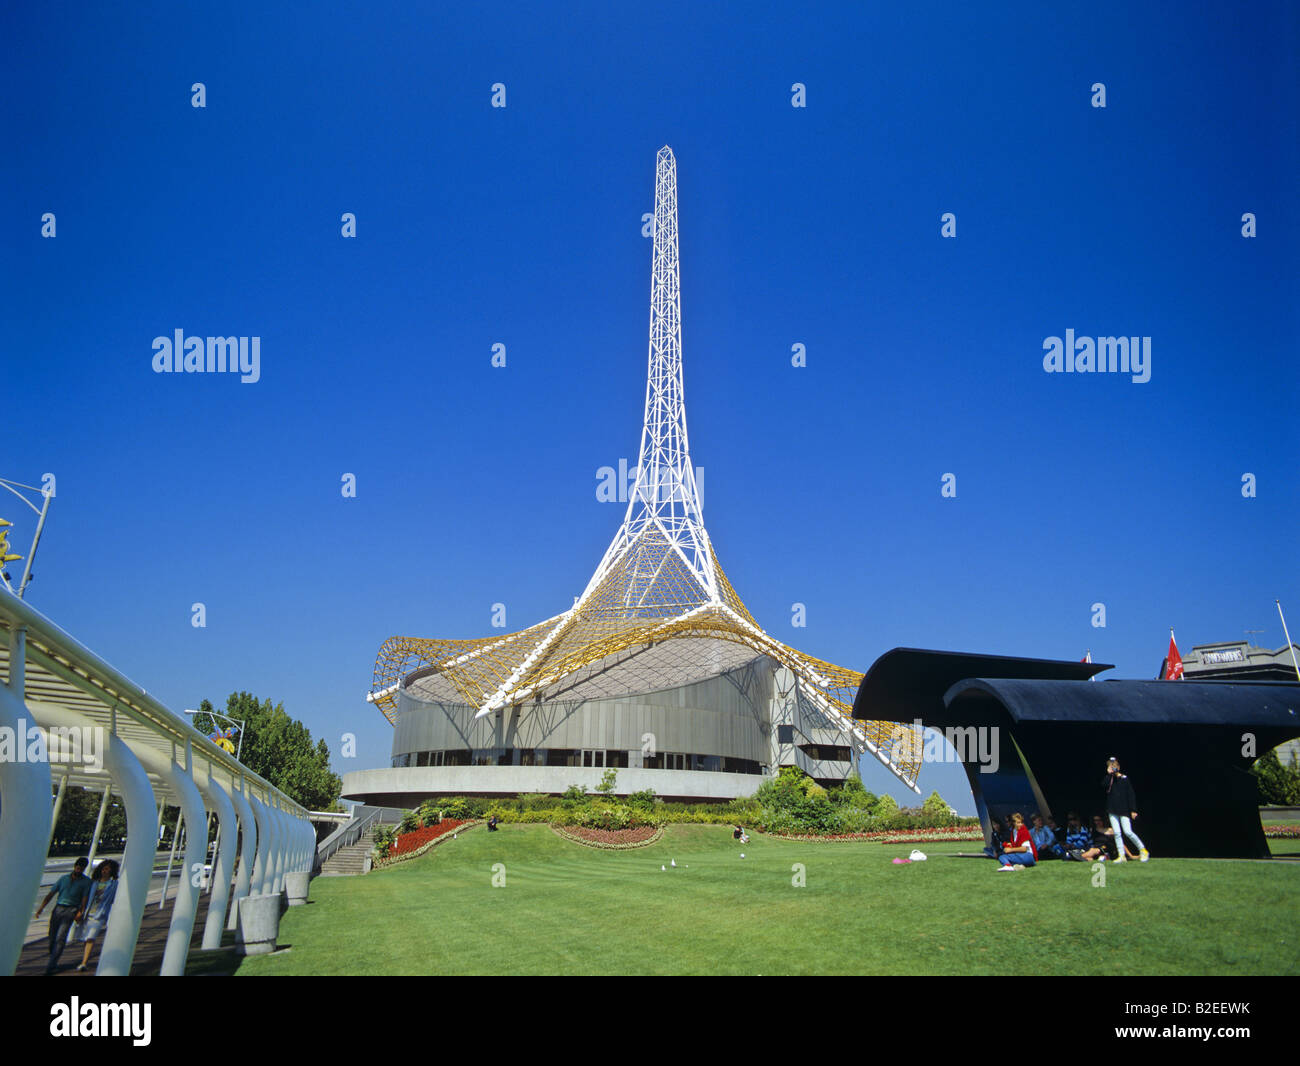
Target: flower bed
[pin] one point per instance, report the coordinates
(1282, 832)
(410, 845)
(892, 836)
(610, 839)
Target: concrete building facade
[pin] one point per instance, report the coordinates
(708, 739)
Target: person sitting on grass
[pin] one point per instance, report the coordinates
(1078, 837)
(1058, 832)
(1020, 851)
(997, 838)
(1044, 839)
(1102, 846)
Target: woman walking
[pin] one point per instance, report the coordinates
(102, 893)
(1121, 804)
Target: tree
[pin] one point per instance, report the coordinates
(608, 782)
(936, 810)
(280, 749)
(1277, 783)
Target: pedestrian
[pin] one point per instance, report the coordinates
(1121, 804)
(102, 893)
(72, 891)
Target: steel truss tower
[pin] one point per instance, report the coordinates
(659, 580)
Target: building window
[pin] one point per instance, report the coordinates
(616, 758)
(563, 757)
(826, 752)
(785, 734)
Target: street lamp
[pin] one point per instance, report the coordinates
(47, 494)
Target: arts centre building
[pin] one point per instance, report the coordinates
(657, 670)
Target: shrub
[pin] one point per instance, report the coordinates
(410, 822)
(885, 807)
(853, 795)
(384, 837)
(457, 807)
(1278, 784)
(642, 801)
(936, 812)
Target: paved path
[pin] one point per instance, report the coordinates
(148, 952)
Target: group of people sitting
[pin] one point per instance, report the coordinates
(1016, 845)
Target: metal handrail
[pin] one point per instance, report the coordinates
(347, 835)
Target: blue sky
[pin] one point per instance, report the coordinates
(522, 226)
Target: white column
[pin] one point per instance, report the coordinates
(24, 813)
(58, 806)
(265, 832)
(132, 784)
(99, 826)
(181, 784)
(247, 853)
(281, 846)
(223, 865)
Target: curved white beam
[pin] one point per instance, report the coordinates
(24, 814)
(247, 853)
(132, 784)
(261, 883)
(223, 866)
(181, 784)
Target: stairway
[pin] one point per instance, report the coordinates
(352, 860)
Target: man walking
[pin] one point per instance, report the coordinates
(72, 891)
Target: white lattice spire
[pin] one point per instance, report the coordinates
(658, 583)
(665, 501)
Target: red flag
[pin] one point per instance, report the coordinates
(1174, 663)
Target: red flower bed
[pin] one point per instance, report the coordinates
(610, 838)
(410, 841)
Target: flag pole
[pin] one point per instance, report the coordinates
(1288, 638)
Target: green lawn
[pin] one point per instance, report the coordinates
(566, 909)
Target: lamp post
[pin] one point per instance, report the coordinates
(47, 494)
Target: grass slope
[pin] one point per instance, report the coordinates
(566, 909)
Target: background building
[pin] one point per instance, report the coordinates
(658, 670)
(1239, 660)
